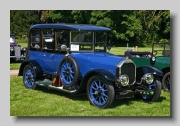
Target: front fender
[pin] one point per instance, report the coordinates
(34, 64)
(104, 73)
(148, 69)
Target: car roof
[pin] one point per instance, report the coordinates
(72, 27)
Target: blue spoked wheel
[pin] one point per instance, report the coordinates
(69, 72)
(29, 77)
(154, 91)
(100, 92)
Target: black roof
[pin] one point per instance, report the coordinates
(72, 27)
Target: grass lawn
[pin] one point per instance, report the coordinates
(45, 102)
(15, 65)
(22, 42)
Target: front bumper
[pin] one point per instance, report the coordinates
(17, 57)
(129, 92)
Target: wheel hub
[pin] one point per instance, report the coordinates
(28, 77)
(98, 92)
(67, 72)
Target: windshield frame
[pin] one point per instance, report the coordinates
(87, 41)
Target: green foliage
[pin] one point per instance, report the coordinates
(163, 40)
(133, 26)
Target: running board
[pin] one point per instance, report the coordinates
(48, 84)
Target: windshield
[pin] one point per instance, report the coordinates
(161, 49)
(88, 41)
(12, 39)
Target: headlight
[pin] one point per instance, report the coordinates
(24, 49)
(153, 58)
(11, 49)
(148, 78)
(123, 80)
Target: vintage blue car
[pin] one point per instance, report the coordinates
(73, 58)
(16, 52)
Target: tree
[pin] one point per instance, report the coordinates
(151, 22)
(21, 20)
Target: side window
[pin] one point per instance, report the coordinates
(47, 39)
(35, 39)
(61, 38)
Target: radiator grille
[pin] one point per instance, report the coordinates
(130, 70)
(17, 51)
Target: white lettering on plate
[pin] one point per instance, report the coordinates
(74, 47)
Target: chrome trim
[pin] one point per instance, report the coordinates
(145, 76)
(121, 78)
(123, 61)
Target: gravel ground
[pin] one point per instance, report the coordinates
(14, 72)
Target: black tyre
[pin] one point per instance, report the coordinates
(29, 77)
(100, 92)
(154, 91)
(69, 72)
(166, 82)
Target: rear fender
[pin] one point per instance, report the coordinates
(34, 64)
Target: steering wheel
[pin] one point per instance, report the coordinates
(155, 53)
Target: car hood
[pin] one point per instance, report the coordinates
(162, 62)
(97, 60)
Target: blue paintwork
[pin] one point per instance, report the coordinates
(72, 27)
(44, 59)
(87, 61)
(29, 82)
(99, 100)
(96, 60)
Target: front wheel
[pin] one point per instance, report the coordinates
(100, 92)
(153, 93)
(29, 77)
(166, 82)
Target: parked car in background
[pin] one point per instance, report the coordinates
(73, 59)
(159, 58)
(16, 52)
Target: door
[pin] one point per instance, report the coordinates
(47, 52)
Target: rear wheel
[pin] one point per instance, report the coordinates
(100, 92)
(29, 77)
(166, 82)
